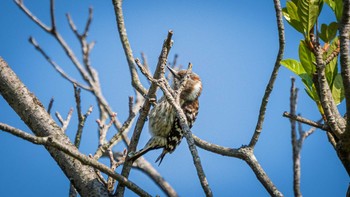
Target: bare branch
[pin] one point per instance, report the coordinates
(116, 138)
(296, 146)
(53, 142)
(174, 100)
(81, 118)
(273, 76)
(34, 114)
(50, 105)
(344, 29)
(306, 121)
(55, 65)
(65, 122)
(103, 128)
(343, 146)
(135, 81)
(20, 4)
(245, 153)
(253, 163)
(88, 23)
(52, 15)
(224, 151)
(145, 108)
(147, 168)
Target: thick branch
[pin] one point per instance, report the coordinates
(334, 120)
(344, 29)
(33, 113)
(343, 146)
(51, 141)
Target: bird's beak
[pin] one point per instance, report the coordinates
(174, 72)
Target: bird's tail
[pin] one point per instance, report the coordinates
(154, 143)
(161, 156)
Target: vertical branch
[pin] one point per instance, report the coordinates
(173, 99)
(295, 145)
(344, 29)
(50, 105)
(273, 76)
(135, 81)
(52, 15)
(145, 109)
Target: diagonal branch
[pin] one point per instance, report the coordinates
(55, 65)
(273, 76)
(53, 142)
(20, 4)
(245, 153)
(33, 113)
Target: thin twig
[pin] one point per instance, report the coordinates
(65, 122)
(20, 4)
(55, 65)
(295, 145)
(273, 76)
(306, 121)
(50, 105)
(52, 15)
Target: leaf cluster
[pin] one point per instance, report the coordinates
(303, 16)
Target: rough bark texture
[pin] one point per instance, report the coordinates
(33, 113)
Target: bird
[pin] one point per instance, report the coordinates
(164, 125)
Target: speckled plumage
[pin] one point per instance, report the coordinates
(164, 126)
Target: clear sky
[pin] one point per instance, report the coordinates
(233, 47)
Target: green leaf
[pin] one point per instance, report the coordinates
(311, 91)
(290, 13)
(331, 68)
(338, 89)
(308, 11)
(328, 33)
(331, 3)
(307, 58)
(294, 66)
(337, 7)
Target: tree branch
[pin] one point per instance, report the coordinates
(55, 65)
(245, 153)
(273, 76)
(135, 81)
(33, 113)
(145, 109)
(344, 29)
(53, 142)
(306, 121)
(173, 97)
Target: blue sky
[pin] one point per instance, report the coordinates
(233, 47)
